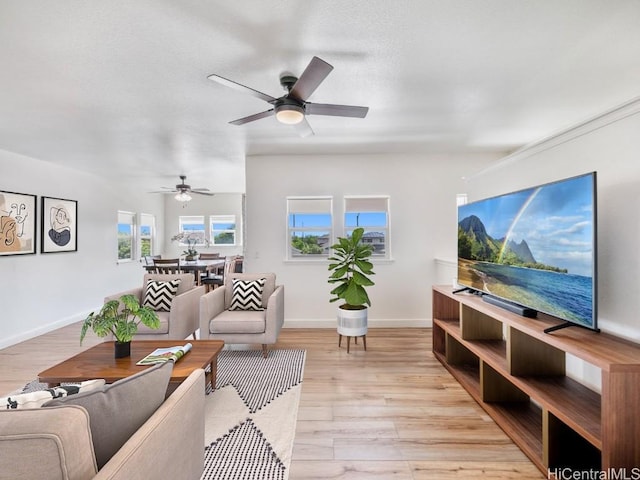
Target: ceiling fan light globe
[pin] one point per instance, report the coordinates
(290, 114)
(182, 197)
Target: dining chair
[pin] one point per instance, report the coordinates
(209, 256)
(239, 267)
(167, 265)
(148, 259)
(216, 280)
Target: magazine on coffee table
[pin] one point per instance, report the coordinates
(161, 355)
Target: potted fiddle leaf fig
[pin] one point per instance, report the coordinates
(351, 268)
(120, 320)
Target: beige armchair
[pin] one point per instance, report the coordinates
(181, 320)
(243, 326)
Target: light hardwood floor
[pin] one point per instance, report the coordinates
(392, 412)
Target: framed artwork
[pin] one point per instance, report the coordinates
(17, 223)
(59, 225)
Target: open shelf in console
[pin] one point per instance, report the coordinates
(516, 372)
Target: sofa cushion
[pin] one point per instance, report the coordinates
(158, 295)
(269, 285)
(46, 443)
(38, 398)
(247, 294)
(231, 321)
(119, 409)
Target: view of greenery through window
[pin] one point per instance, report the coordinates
(310, 233)
(223, 229)
(145, 240)
(125, 241)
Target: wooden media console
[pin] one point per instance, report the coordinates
(517, 373)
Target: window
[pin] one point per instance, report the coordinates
(193, 227)
(309, 227)
(147, 234)
(372, 214)
(126, 235)
(223, 229)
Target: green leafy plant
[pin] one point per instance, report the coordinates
(122, 322)
(351, 268)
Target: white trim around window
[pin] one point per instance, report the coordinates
(194, 228)
(223, 230)
(126, 235)
(147, 235)
(309, 228)
(371, 212)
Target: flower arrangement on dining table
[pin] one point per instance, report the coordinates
(191, 240)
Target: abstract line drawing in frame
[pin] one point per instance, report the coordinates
(17, 223)
(59, 225)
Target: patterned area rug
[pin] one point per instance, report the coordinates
(250, 418)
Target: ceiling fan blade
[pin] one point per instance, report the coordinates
(313, 75)
(303, 128)
(336, 110)
(200, 190)
(241, 88)
(202, 193)
(255, 116)
(164, 191)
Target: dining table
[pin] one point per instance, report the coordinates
(196, 266)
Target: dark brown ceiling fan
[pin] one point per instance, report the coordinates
(292, 108)
(183, 191)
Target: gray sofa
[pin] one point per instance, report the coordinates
(56, 443)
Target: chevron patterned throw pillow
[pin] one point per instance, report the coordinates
(158, 295)
(247, 294)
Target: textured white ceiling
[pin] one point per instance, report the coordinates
(119, 88)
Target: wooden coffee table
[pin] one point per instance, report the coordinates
(99, 362)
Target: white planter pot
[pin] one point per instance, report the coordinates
(352, 323)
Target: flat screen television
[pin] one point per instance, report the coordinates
(534, 248)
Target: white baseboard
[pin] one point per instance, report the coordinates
(21, 337)
(290, 323)
(373, 323)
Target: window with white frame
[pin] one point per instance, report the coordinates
(223, 229)
(309, 227)
(372, 214)
(147, 234)
(126, 236)
(193, 230)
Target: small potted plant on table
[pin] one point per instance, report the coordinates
(191, 240)
(121, 321)
(350, 267)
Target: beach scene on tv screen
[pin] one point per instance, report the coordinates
(534, 247)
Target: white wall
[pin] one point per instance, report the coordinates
(41, 292)
(422, 191)
(218, 204)
(609, 145)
